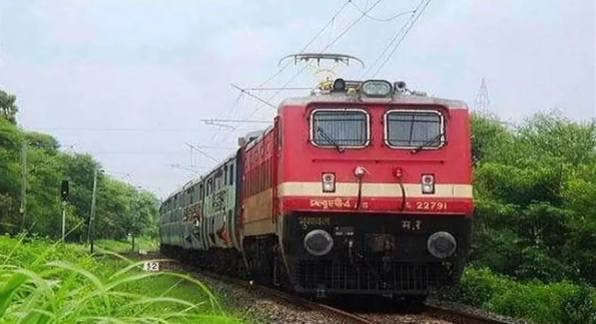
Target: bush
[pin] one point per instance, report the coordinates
(555, 303)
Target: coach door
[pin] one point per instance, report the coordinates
(275, 152)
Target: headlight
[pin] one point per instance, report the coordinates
(318, 242)
(441, 245)
(328, 180)
(428, 184)
(377, 88)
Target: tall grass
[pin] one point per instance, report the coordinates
(125, 246)
(44, 282)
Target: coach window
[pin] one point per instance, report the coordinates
(201, 191)
(218, 179)
(410, 129)
(347, 128)
(231, 174)
(197, 192)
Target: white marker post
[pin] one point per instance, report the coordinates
(151, 266)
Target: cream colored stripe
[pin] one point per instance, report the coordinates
(350, 189)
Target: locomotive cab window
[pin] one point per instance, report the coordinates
(340, 128)
(412, 129)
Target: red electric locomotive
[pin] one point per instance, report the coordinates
(362, 188)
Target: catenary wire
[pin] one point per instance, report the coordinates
(341, 9)
(375, 18)
(418, 12)
(337, 38)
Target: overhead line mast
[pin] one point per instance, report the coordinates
(482, 103)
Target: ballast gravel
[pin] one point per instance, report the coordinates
(253, 307)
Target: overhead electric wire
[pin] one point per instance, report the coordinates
(107, 129)
(362, 15)
(279, 90)
(378, 19)
(337, 38)
(203, 153)
(252, 95)
(237, 121)
(387, 47)
(276, 88)
(330, 22)
(408, 26)
(341, 9)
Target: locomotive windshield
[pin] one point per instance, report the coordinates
(339, 128)
(414, 129)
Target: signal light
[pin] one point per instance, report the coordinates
(64, 190)
(428, 184)
(328, 180)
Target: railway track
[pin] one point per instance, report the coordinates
(432, 312)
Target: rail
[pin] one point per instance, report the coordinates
(342, 316)
(432, 310)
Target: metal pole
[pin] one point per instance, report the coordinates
(134, 224)
(92, 215)
(63, 221)
(134, 209)
(23, 208)
(133, 240)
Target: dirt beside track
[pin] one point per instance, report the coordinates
(254, 306)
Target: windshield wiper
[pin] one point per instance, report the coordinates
(431, 141)
(330, 140)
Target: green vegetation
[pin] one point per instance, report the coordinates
(536, 301)
(121, 208)
(535, 220)
(125, 246)
(45, 282)
(533, 247)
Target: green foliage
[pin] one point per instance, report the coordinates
(123, 246)
(535, 220)
(535, 208)
(121, 208)
(42, 282)
(8, 108)
(555, 303)
(551, 135)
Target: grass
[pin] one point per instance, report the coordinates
(44, 282)
(141, 243)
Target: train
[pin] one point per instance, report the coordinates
(359, 188)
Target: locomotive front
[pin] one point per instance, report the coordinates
(374, 190)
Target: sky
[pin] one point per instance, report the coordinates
(130, 81)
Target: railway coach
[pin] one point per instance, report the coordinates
(362, 187)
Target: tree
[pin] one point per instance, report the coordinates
(42, 141)
(10, 145)
(534, 189)
(8, 107)
(120, 206)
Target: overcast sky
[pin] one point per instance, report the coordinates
(130, 80)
